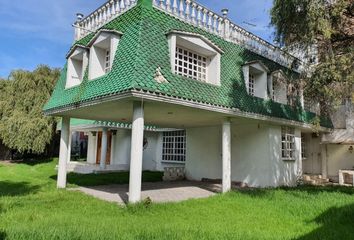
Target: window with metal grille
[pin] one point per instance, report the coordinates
(190, 64)
(251, 82)
(174, 146)
(107, 66)
(288, 143)
(303, 146)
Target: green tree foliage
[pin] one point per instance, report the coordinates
(329, 26)
(22, 124)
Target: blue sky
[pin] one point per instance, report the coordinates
(34, 32)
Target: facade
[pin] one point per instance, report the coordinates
(178, 65)
(328, 153)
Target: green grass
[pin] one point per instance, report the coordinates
(32, 208)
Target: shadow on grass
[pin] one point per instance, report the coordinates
(33, 162)
(8, 188)
(313, 190)
(2, 235)
(86, 180)
(335, 223)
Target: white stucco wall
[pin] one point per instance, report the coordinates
(339, 157)
(120, 150)
(203, 153)
(256, 158)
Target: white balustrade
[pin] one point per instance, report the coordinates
(193, 13)
(108, 11)
(200, 16)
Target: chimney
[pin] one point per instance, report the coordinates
(225, 12)
(79, 17)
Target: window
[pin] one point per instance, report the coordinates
(103, 48)
(279, 87)
(174, 146)
(303, 146)
(77, 63)
(288, 143)
(256, 79)
(195, 57)
(190, 64)
(107, 68)
(251, 84)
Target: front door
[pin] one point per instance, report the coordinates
(99, 148)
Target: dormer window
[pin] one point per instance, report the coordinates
(255, 74)
(195, 57)
(102, 52)
(279, 91)
(77, 63)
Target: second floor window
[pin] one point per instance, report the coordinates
(107, 68)
(103, 48)
(194, 57)
(251, 84)
(190, 64)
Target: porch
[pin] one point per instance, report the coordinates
(158, 192)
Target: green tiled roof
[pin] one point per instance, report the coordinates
(144, 47)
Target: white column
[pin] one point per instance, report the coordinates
(104, 145)
(69, 147)
(136, 154)
(63, 153)
(341, 178)
(226, 156)
(324, 160)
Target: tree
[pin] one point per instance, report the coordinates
(22, 124)
(328, 27)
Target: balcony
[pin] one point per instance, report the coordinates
(195, 14)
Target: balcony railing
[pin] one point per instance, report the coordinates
(192, 13)
(107, 12)
(200, 16)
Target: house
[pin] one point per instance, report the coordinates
(178, 65)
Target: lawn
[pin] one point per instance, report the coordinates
(32, 208)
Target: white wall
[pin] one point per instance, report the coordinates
(120, 154)
(256, 158)
(339, 157)
(203, 153)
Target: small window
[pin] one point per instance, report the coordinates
(190, 64)
(174, 146)
(77, 63)
(256, 79)
(102, 53)
(279, 87)
(107, 68)
(303, 146)
(288, 143)
(251, 83)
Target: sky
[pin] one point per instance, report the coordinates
(34, 32)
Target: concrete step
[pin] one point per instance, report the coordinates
(316, 180)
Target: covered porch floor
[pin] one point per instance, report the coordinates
(158, 192)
